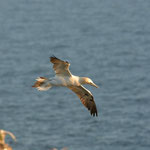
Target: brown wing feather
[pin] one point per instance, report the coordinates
(60, 67)
(86, 98)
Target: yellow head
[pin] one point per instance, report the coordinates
(86, 80)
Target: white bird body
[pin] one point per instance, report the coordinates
(64, 81)
(64, 78)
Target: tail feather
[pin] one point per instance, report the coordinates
(42, 84)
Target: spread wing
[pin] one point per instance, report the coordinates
(11, 134)
(60, 67)
(86, 98)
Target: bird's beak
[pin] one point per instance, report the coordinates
(93, 84)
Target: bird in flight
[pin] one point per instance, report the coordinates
(64, 78)
(3, 133)
(3, 145)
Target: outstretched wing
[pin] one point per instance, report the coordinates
(11, 134)
(86, 98)
(60, 67)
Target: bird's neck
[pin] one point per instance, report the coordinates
(82, 80)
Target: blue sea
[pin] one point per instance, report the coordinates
(108, 41)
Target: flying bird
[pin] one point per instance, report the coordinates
(3, 145)
(64, 78)
(3, 134)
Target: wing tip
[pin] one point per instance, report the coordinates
(53, 58)
(94, 114)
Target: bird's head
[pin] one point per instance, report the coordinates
(86, 80)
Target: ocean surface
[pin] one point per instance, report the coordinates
(108, 41)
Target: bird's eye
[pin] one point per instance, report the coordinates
(67, 62)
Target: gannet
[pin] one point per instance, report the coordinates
(3, 145)
(64, 78)
(3, 133)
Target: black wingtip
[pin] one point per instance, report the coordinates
(94, 114)
(52, 58)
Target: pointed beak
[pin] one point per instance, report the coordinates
(93, 84)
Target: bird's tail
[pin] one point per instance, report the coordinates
(42, 84)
